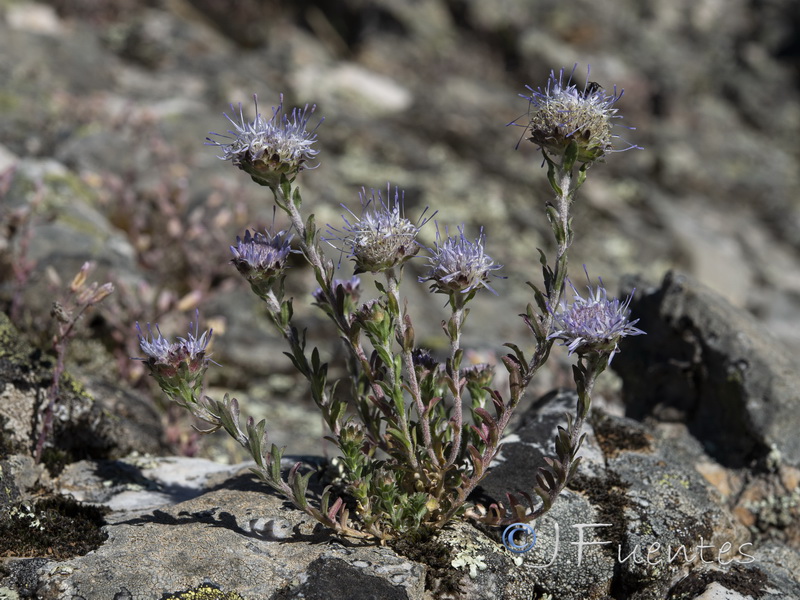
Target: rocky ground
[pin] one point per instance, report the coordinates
(103, 112)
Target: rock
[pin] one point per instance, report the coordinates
(712, 366)
(648, 517)
(34, 18)
(82, 425)
(211, 539)
(638, 520)
(350, 84)
(105, 106)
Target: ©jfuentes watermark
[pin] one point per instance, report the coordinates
(519, 538)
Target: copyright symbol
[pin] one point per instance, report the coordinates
(523, 532)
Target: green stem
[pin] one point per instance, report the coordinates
(322, 268)
(562, 231)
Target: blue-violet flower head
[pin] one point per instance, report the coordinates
(261, 258)
(594, 324)
(382, 237)
(268, 148)
(561, 114)
(165, 358)
(458, 264)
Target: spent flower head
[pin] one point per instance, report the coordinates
(382, 237)
(593, 325)
(268, 148)
(561, 114)
(261, 258)
(459, 265)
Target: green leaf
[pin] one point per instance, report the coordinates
(551, 174)
(398, 435)
(518, 353)
(570, 156)
(582, 174)
(457, 358)
(286, 187)
(545, 496)
(311, 230)
(287, 312)
(555, 222)
(296, 198)
(542, 259)
(573, 468)
(299, 484)
(256, 434)
(548, 477)
(276, 454)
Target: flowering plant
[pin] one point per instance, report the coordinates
(416, 433)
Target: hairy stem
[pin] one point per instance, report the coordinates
(455, 344)
(411, 375)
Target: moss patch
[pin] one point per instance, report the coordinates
(608, 496)
(440, 577)
(57, 527)
(614, 436)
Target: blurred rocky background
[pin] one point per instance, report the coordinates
(105, 105)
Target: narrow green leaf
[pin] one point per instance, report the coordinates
(551, 175)
(296, 198)
(311, 230)
(570, 156)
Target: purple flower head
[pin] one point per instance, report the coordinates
(459, 265)
(269, 148)
(594, 324)
(561, 114)
(381, 238)
(261, 258)
(165, 358)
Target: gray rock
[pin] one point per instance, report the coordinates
(82, 425)
(210, 539)
(710, 365)
(648, 517)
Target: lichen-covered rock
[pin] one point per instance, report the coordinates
(673, 520)
(648, 518)
(240, 538)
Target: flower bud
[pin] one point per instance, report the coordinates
(172, 363)
(351, 289)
